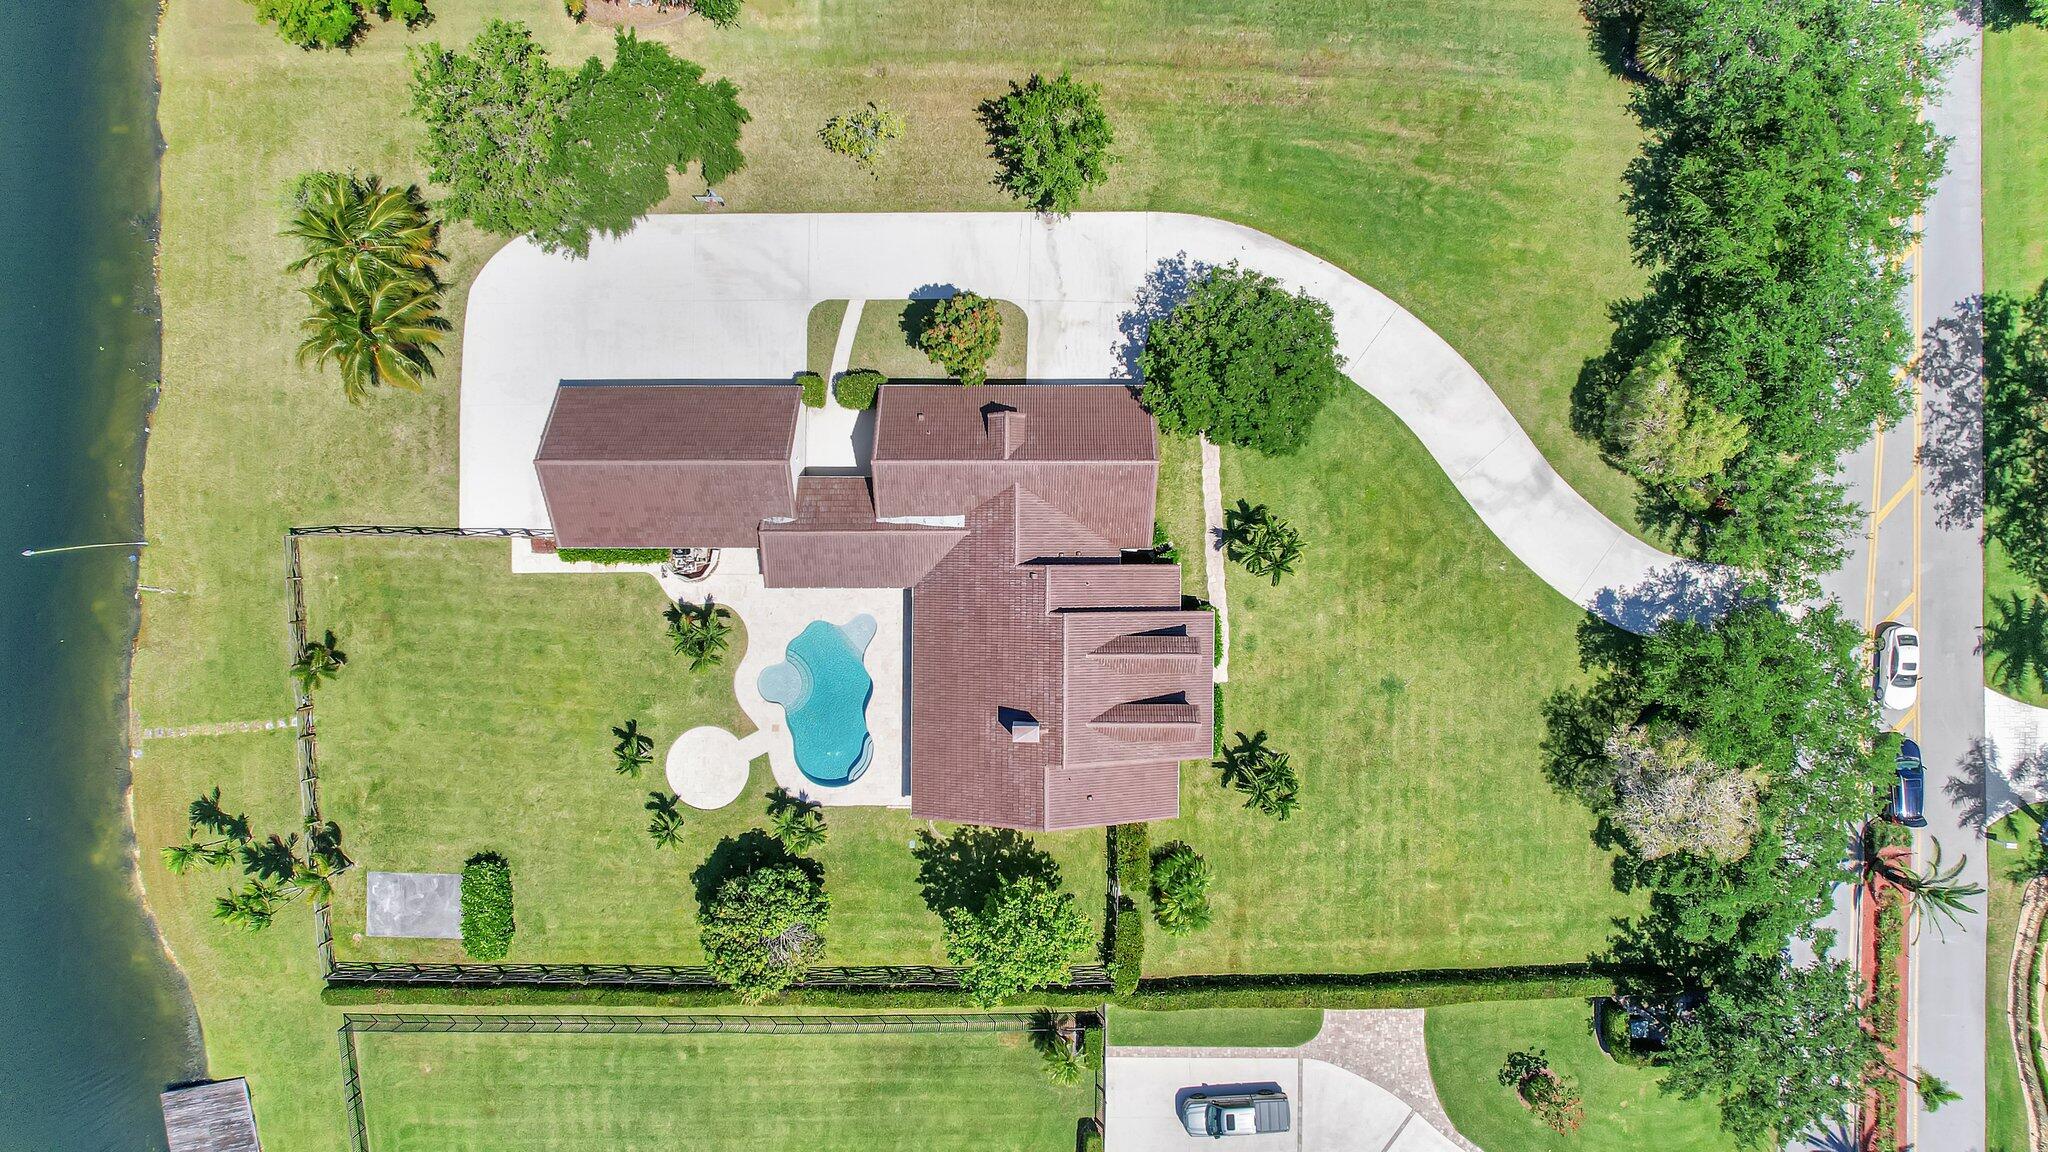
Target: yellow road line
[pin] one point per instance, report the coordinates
(1912, 716)
(1912, 600)
(1911, 486)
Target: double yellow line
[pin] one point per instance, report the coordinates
(1908, 609)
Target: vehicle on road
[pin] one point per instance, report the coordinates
(1243, 1114)
(1909, 790)
(1898, 666)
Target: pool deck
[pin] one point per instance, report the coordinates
(773, 617)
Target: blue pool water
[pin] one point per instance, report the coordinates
(824, 688)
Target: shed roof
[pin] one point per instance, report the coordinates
(216, 1117)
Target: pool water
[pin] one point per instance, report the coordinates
(824, 688)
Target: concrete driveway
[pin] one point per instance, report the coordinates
(1333, 1110)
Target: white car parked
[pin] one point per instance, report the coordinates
(1898, 666)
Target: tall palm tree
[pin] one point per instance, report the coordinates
(666, 825)
(798, 824)
(362, 230)
(206, 812)
(632, 749)
(318, 662)
(379, 334)
(700, 631)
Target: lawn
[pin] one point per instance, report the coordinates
(1216, 1027)
(1625, 1108)
(2005, 1108)
(475, 713)
(1404, 667)
(821, 334)
(1179, 509)
(567, 1093)
(886, 341)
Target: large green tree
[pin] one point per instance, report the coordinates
(491, 115)
(763, 927)
(2016, 428)
(1242, 361)
(1022, 937)
(1051, 141)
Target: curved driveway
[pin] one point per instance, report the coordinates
(727, 297)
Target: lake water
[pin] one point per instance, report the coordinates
(93, 1018)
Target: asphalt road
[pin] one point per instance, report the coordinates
(1921, 560)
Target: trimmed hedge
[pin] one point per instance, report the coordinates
(487, 925)
(614, 555)
(1133, 856)
(813, 386)
(1426, 989)
(1131, 860)
(857, 389)
(1127, 953)
(1219, 721)
(555, 995)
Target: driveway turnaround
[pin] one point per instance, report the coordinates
(1332, 1110)
(726, 297)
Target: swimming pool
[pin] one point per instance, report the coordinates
(824, 688)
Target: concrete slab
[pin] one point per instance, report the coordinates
(1141, 1113)
(415, 905)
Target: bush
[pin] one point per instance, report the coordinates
(1553, 1098)
(862, 135)
(724, 13)
(1425, 989)
(1614, 1037)
(312, 23)
(1180, 889)
(1022, 938)
(613, 555)
(412, 12)
(857, 389)
(1050, 140)
(812, 387)
(763, 928)
(1132, 844)
(487, 924)
(962, 335)
(1127, 949)
(574, 8)
(1243, 361)
(1218, 725)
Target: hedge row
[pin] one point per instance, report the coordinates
(543, 996)
(1131, 860)
(487, 906)
(614, 555)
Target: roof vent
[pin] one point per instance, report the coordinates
(1022, 725)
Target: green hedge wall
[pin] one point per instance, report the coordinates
(614, 555)
(1375, 990)
(407, 995)
(487, 906)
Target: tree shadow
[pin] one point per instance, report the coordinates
(964, 869)
(1951, 372)
(1996, 15)
(738, 855)
(917, 315)
(1613, 36)
(1686, 590)
(2016, 643)
(1165, 286)
(1976, 787)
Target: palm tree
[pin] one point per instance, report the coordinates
(274, 859)
(323, 844)
(363, 231)
(632, 749)
(380, 333)
(666, 826)
(1264, 775)
(318, 661)
(1934, 1091)
(700, 631)
(1265, 544)
(253, 907)
(797, 823)
(1938, 895)
(206, 812)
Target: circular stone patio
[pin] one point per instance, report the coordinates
(707, 767)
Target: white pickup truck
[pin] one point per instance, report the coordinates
(1240, 1115)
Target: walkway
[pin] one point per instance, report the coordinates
(1383, 1048)
(728, 296)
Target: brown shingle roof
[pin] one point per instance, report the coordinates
(667, 465)
(1089, 450)
(1118, 682)
(834, 542)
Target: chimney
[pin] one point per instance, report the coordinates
(1022, 725)
(1007, 426)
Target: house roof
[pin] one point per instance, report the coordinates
(653, 465)
(835, 541)
(1087, 450)
(1095, 662)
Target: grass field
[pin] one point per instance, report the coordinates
(1179, 509)
(1463, 157)
(821, 334)
(1403, 666)
(568, 1093)
(1625, 1108)
(886, 341)
(2005, 1108)
(476, 713)
(1216, 1027)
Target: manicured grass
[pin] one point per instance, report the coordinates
(1403, 666)
(1216, 1027)
(2005, 1108)
(821, 334)
(1625, 1109)
(2015, 160)
(568, 1093)
(886, 341)
(1179, 508)
(2012, 605)
(476, 713)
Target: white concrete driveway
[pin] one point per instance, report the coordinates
(727, 296)
(1333, 1110)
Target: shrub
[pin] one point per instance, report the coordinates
(857, 389)
(1243, 361)
(487, 924)
(1218, 724)
(312, 23)
(1050, 140)
(763, 928)
(1127, 948)
(1133, 847)
(574, 8)
(1621, 1047)
(1021, 938)
(812, 388)
(613, 555)
(962, 335)
(1180, 889)
(863, 134)
(724, 13)
(1553, 1098)
(413, 12)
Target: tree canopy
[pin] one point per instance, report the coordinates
(1022, 937)
(963, 334)
(1242, 361)
(525, 147)
(332, 23)
(1051, 141)
(763, 927)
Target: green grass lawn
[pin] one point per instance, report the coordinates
(1179, 509)
(1625, 1108)
(476, 713)
(1403, 666)
(567, 1093)
(886, 341)
(821, 334)
(1216, 1027)
(2005, 1109)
